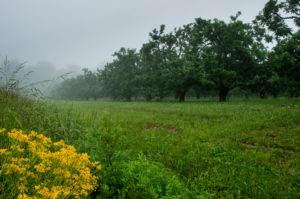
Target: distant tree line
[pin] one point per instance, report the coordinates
(206, 55)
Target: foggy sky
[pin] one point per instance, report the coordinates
(87, 32)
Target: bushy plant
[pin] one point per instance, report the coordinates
(126, 175)
(34, 167)
(145, 179)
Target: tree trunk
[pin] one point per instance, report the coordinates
(223, 92)
(198, 95)
(262, 94)
(148, 98)
(161, 94)
(182, 96)
(128, 98)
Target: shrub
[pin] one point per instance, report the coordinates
(32, 166)
(144, 179)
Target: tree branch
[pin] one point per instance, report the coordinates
(290, 17)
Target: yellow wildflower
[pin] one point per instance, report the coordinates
(32, 134)
(60, 143)
(57, 172)
(23, 196)
(4, 152)
(22, 188)
(17, 148)
(31, 174)
(18, 135)
(13, 169)
(2, 130)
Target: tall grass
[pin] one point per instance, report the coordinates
(237, 149)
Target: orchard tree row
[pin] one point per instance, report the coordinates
(260, 58)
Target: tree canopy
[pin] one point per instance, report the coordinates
(205, 56)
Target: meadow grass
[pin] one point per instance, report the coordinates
(198, 149)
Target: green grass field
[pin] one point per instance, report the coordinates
(199, 149)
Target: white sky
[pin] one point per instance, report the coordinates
(87, 32)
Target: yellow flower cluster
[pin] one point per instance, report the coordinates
(41, 169)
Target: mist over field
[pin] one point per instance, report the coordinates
(42, 75)
(87, 33)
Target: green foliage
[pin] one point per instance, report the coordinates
(84, 86)
(120, 78)
(275, 15)
(154, 57)
(286, 59)
(227, 57)
(144, 179)
(125, 176)
(184, 70)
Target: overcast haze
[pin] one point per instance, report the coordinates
(87, 32)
